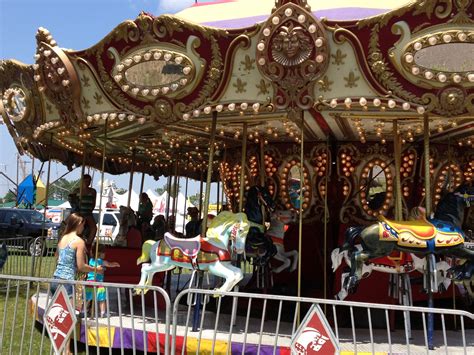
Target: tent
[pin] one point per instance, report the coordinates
(160, 206)
(31, 191)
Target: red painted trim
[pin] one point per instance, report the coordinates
(321, 122)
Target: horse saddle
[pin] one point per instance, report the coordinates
(420, 233)
(188, 247)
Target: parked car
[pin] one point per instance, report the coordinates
(25, 229)
(110, 225)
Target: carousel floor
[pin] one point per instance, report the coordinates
(116, 332)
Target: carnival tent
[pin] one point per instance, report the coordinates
(31, 191)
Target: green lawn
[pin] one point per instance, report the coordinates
(22, 265)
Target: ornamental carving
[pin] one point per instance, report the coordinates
(293, 52)
(56, 76)
(451, 100)
(291, 45)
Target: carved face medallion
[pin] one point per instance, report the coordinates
(291, 46)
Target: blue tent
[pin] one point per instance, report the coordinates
(26, 191)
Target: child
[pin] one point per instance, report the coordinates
(99, 290)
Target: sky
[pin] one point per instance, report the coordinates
(76, 24)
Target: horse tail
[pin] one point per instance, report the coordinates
(336, 258)
(351, 234)
(145, 251)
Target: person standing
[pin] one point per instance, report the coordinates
(145, 214)
(193, 227)
(71, 258)
(100, 294)
(84, 199)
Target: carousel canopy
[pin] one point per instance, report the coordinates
(147, 93)
(245, 13)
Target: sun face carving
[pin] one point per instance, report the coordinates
(291, 46)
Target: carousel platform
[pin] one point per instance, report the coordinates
(146, 334)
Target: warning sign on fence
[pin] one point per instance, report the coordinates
(314, 335)
(59, 319)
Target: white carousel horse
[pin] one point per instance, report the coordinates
(209, 254)
(278, 220)
(418, 264)
(127, 219)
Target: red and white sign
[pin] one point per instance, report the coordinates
(314, 335)
(59, 319)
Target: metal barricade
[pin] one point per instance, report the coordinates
(30, 256)
(139, 323)
(265, 324)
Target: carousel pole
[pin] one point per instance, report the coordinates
(142, 183)
(426, 146)
(43, 245)
(176, 191)
(101, 194)
(168, 198)
(185, 203)
(197, 308)
(300, 225)
(130, 183)
(222, 181)
(209, 173)
(201, 187)
(262, 173)
(218, 197)
(326, 215)
(398, 184)
(242, 167)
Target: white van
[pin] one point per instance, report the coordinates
(110, 225)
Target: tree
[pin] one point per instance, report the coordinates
(61, 188)
(194, 199)
(9, 197)
(121, 190)
(173, 191)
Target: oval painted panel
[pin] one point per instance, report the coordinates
(154, 73)
(441, 57)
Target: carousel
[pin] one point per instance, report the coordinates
(350, 117)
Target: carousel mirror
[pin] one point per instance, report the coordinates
(449, 177)
(294, 178)
(377, 188)
(154, 73)
(290, 186)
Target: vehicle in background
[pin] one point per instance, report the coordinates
(37, 235)
(109, 227)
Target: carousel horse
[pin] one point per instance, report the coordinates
(278, 222)
(208, 254)
(409, 263)
(441, 235)
(258, 246)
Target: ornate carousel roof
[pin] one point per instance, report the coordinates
(148, 90)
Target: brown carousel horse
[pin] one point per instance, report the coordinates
(441, 236)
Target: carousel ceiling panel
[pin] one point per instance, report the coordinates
(343, 77)
(244, 13)
(246, 83)
(405, 52)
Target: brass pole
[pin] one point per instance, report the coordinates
(243, 161)
(185, 204)
(142, 183)
(175, 190)
(130, 183)
(43, 245)
(101, 195)
(168, 198)
(209, 173)
(326, 217)
(223, 181)
(398, 183)
(262, 173)
(300, 226)
(201, 187)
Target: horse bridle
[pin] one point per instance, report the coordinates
(468, 198)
